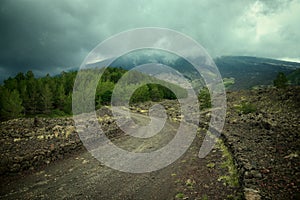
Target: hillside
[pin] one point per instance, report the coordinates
(252, 71)
(247, 71)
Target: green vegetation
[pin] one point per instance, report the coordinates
(11, 104)
(146, 88)
(205, 197)
(25, 95)
(179, 195)
(281, 80)
(294, 77)
(235, 197)
(232, 178)
(211, 165)
(204, 99)
(153, 92)
(246, 107)
(228, 82)
(252, 71)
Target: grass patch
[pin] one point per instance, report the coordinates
(232, 178)
(228, 82)
(211, 165)
(204, 197)
(179, 195)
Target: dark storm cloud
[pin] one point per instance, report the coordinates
(39, 34)
(51, 35)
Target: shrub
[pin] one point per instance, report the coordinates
(246, 108)
(57, 113)
(281, 80)
(204, 99)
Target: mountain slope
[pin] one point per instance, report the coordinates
(246, 71)
(252, 71)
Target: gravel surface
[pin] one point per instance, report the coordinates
(261, 132)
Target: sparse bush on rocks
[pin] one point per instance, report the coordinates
(246, 107)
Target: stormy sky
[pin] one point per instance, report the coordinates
(49, 36)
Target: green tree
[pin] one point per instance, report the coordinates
(155, 93)
(31, 102)
(141, 94)
(103, 93)
(204, 98)
(246, 107)
(10, 83)
(68, 104)
(167, 93)
(106, 97)
(281, 80)
(47, 99)
(11, 104)
(60, 97)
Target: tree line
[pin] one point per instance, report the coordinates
(27, 96)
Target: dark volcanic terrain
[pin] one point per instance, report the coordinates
(46, 159)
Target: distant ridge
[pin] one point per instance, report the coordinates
(253, 71)
(247, 71)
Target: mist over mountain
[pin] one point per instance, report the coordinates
(246, 71)
(252, 71)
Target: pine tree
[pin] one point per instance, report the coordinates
(204, 99)
(155, 93)
(68, 104)
(106, 97)
(141, 94)
(281, 80)
(31, 103)
(11, 104)
(46, 97)
(60, 97)
(23, 94)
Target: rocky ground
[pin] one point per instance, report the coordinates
(265, 141)
(27, 144)
(80, 176)
(260, 141)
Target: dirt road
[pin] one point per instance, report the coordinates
(83, 177)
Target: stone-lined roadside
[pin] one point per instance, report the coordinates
(266, 142)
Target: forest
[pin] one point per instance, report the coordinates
(51, 96)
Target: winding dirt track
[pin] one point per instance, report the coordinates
(83, 177)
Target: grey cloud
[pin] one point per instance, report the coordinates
(52, 35)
